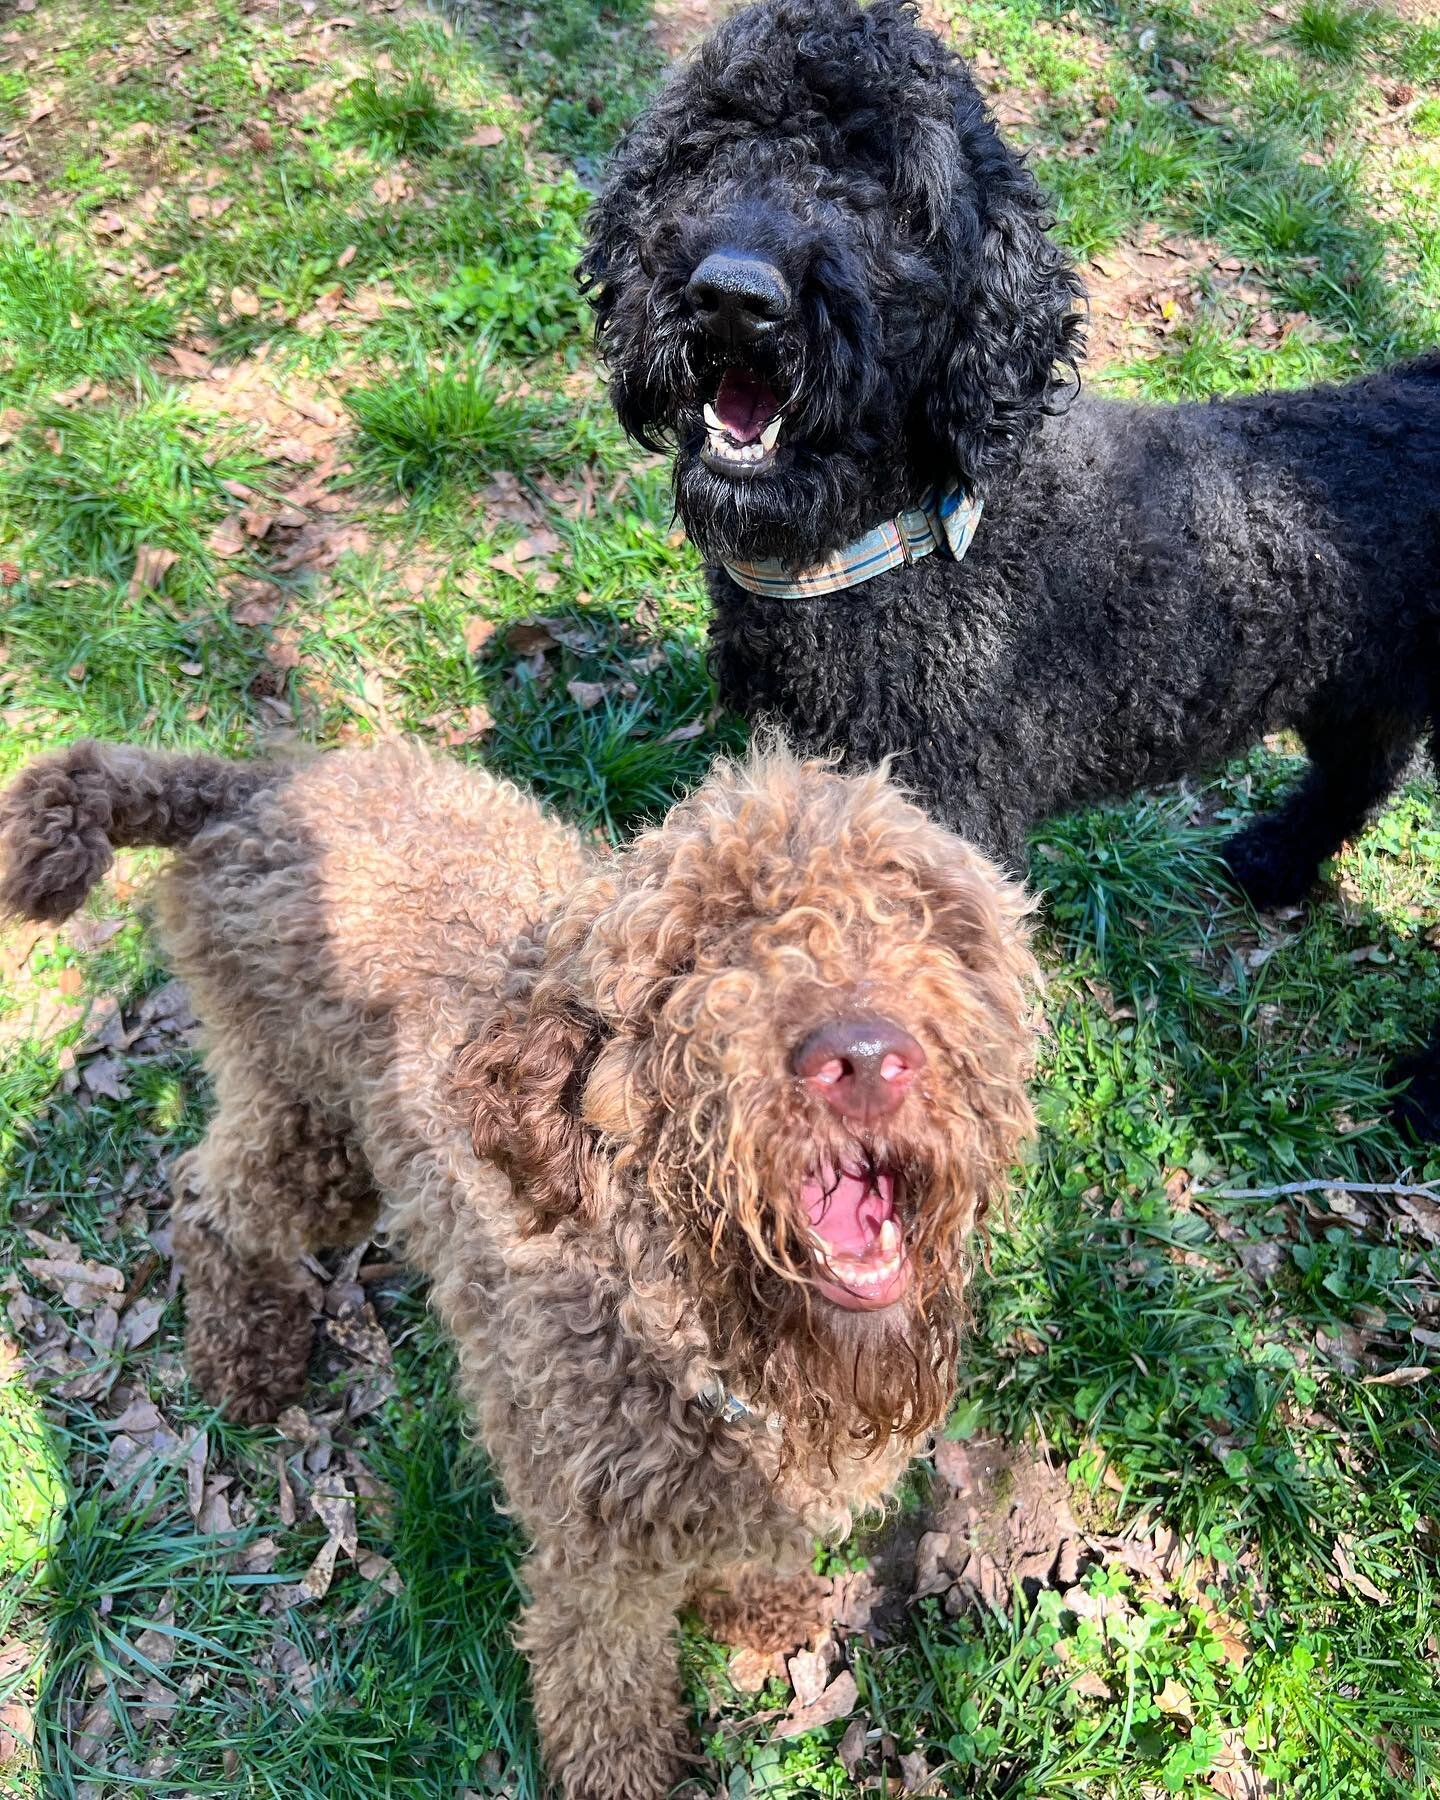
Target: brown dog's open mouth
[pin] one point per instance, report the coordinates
(742, 425)
(860, 1243)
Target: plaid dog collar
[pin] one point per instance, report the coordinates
(945, 522)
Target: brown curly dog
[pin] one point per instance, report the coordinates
(688, 1140)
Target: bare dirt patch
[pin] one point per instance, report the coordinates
(1148, 288)
(680, 24)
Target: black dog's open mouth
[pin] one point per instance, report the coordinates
(859, 1239)
(742, 425)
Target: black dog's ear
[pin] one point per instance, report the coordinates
(1015, 332)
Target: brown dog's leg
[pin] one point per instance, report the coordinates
(604, 1669)
(269, 1181)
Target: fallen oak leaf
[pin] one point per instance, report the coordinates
(478, 633)
(244, 303)
(748, 1671)
(484, 137)
(191, 364)
(586, 694)
(228, 537)
(1351, 1576)
(1409, 1376)
(836, 1702)
(808, 1672)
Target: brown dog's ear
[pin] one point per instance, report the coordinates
(524, 1081)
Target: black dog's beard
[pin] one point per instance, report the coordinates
(810, 505)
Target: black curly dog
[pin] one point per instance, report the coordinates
(820, 273)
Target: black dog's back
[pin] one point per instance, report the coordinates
(1152, 592)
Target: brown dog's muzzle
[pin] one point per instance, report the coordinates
(861, 1067)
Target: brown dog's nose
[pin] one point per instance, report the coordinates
(862, 1067)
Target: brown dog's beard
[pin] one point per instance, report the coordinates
(838, 1384)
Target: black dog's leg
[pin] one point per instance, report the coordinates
(1417, 1109)
(1354, 764)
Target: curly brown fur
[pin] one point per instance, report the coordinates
(567, 1085)
(1151, 589)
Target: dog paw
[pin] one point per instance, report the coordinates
(249, 1350)
(1267, 870)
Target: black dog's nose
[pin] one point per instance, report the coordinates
(737, 297)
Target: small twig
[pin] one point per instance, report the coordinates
(1424, 1190)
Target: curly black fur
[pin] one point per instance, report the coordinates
(1152, 588)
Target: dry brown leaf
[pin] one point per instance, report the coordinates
(105, 1077)
(1409, 1376)
(478, 633)
(244, 303)
(484, 137)
(808, 1672)
(836, 1702)
(1351, 1576)
(17, 1731)
(532, 638)
(80, 1282)
(474, 724)
(1175, 1702)
(374, 1567)
(749, 1670)
(586, 694)
(851, 1750)
(151, 563)
(389, 188)
(228, 537)
(141, 1323)
(915, 1774)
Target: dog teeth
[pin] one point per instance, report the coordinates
(862, 1274)
(722, 446)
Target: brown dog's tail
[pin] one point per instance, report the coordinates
(63, 818)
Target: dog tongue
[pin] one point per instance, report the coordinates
(846, 1212)
(744, 404)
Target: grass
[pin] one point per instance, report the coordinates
(302, 437)
(430, 425)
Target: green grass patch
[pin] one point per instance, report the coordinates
(407, 118)
(451, 422)
(1332, 31)
(62, 318)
